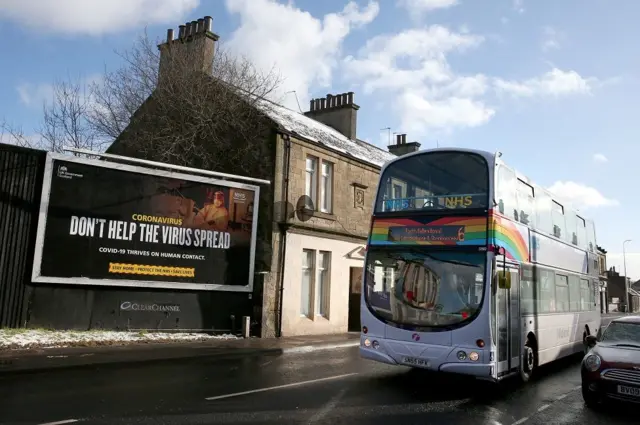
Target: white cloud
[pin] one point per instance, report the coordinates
(551, 39)
(412, 67)
(421, 6)
(581, 196)
(553, 83)
(598, 157)
(307, 49)
(94, 17)
(33, 95)
(518, 6)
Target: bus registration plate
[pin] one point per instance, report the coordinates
(634, 392)
(415, 362)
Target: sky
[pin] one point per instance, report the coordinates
(549, 83)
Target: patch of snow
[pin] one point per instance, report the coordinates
(33, 338)
(313, 130)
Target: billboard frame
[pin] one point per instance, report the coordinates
(37, 277)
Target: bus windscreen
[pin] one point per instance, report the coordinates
(435, 180)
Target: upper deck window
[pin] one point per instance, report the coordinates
(434, 181)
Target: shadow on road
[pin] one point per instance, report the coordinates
(416, 385)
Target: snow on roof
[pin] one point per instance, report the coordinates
(313, 130)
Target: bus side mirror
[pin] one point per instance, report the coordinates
(592, 340)
(504, 279)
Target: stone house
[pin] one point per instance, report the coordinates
(316, 214)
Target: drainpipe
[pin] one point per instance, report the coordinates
(283, 230)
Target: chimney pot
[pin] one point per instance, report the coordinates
(181, 31)
(345, 98)
(323, 102)
(404, 139)
(201, 25)
(350, 98)
(169, 35)
(339, 100)
(187, 32)
(194, 28)
(329, 102)
(208, 21)
(311, 103)
(398, 139)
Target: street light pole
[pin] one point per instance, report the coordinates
(626, 280)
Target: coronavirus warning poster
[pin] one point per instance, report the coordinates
(112, 224)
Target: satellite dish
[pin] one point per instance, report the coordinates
(304, 208)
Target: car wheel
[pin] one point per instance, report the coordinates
(528, 362)
(591, 399)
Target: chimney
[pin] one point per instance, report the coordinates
(402, 147)
(337, 111)
(194, 47)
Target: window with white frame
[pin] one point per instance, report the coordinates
(311, 181)
(326, 186)
(315, 284)
(319, 189)
(308, 261)
(322, 283)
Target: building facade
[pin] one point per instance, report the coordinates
(317, 209)
(602, 271)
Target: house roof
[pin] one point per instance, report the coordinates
(310, 129)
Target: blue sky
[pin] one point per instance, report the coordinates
(549, 83)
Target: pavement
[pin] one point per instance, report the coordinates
(332, 387)
(21, 361)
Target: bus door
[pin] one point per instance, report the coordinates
(506, 324)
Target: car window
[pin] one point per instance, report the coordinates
(622, 332)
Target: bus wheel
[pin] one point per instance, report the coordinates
(528, 361)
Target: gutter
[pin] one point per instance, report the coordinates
(284, 226)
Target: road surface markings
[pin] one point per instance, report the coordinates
(546, 406)
(329, 406)
(295, 384)
(68, 421)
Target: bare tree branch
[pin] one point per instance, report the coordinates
(65, 119)
(194, 114)
(14, 135)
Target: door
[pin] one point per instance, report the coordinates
(355, 291)
(507, 320)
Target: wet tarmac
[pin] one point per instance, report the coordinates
(325, 387)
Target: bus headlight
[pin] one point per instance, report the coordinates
(473, 356)
(367, 343)
(592, 362)
(462, 355)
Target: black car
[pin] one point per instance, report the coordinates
(611, 368)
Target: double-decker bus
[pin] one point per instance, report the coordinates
(473, 269)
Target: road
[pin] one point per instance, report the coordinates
(323, 387)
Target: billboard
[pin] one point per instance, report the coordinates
(105, 223)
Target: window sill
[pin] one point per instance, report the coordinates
(320, 214)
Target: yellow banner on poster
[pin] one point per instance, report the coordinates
(142, 269)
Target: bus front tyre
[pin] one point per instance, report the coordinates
(528, 362)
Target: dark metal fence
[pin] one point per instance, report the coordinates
(21, 175)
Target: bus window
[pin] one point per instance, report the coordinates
(585, 295)
(525, 194)
(570, 234)
(574, 293)
(543, 211)
(440, 180)
(546, 291)
(562, 293)
(527, 296)
(591, 236)
(506, 188)
(581, 230)
(557, 215)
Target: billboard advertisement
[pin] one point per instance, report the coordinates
(105, 223)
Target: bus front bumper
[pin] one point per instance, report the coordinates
(447, 363)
